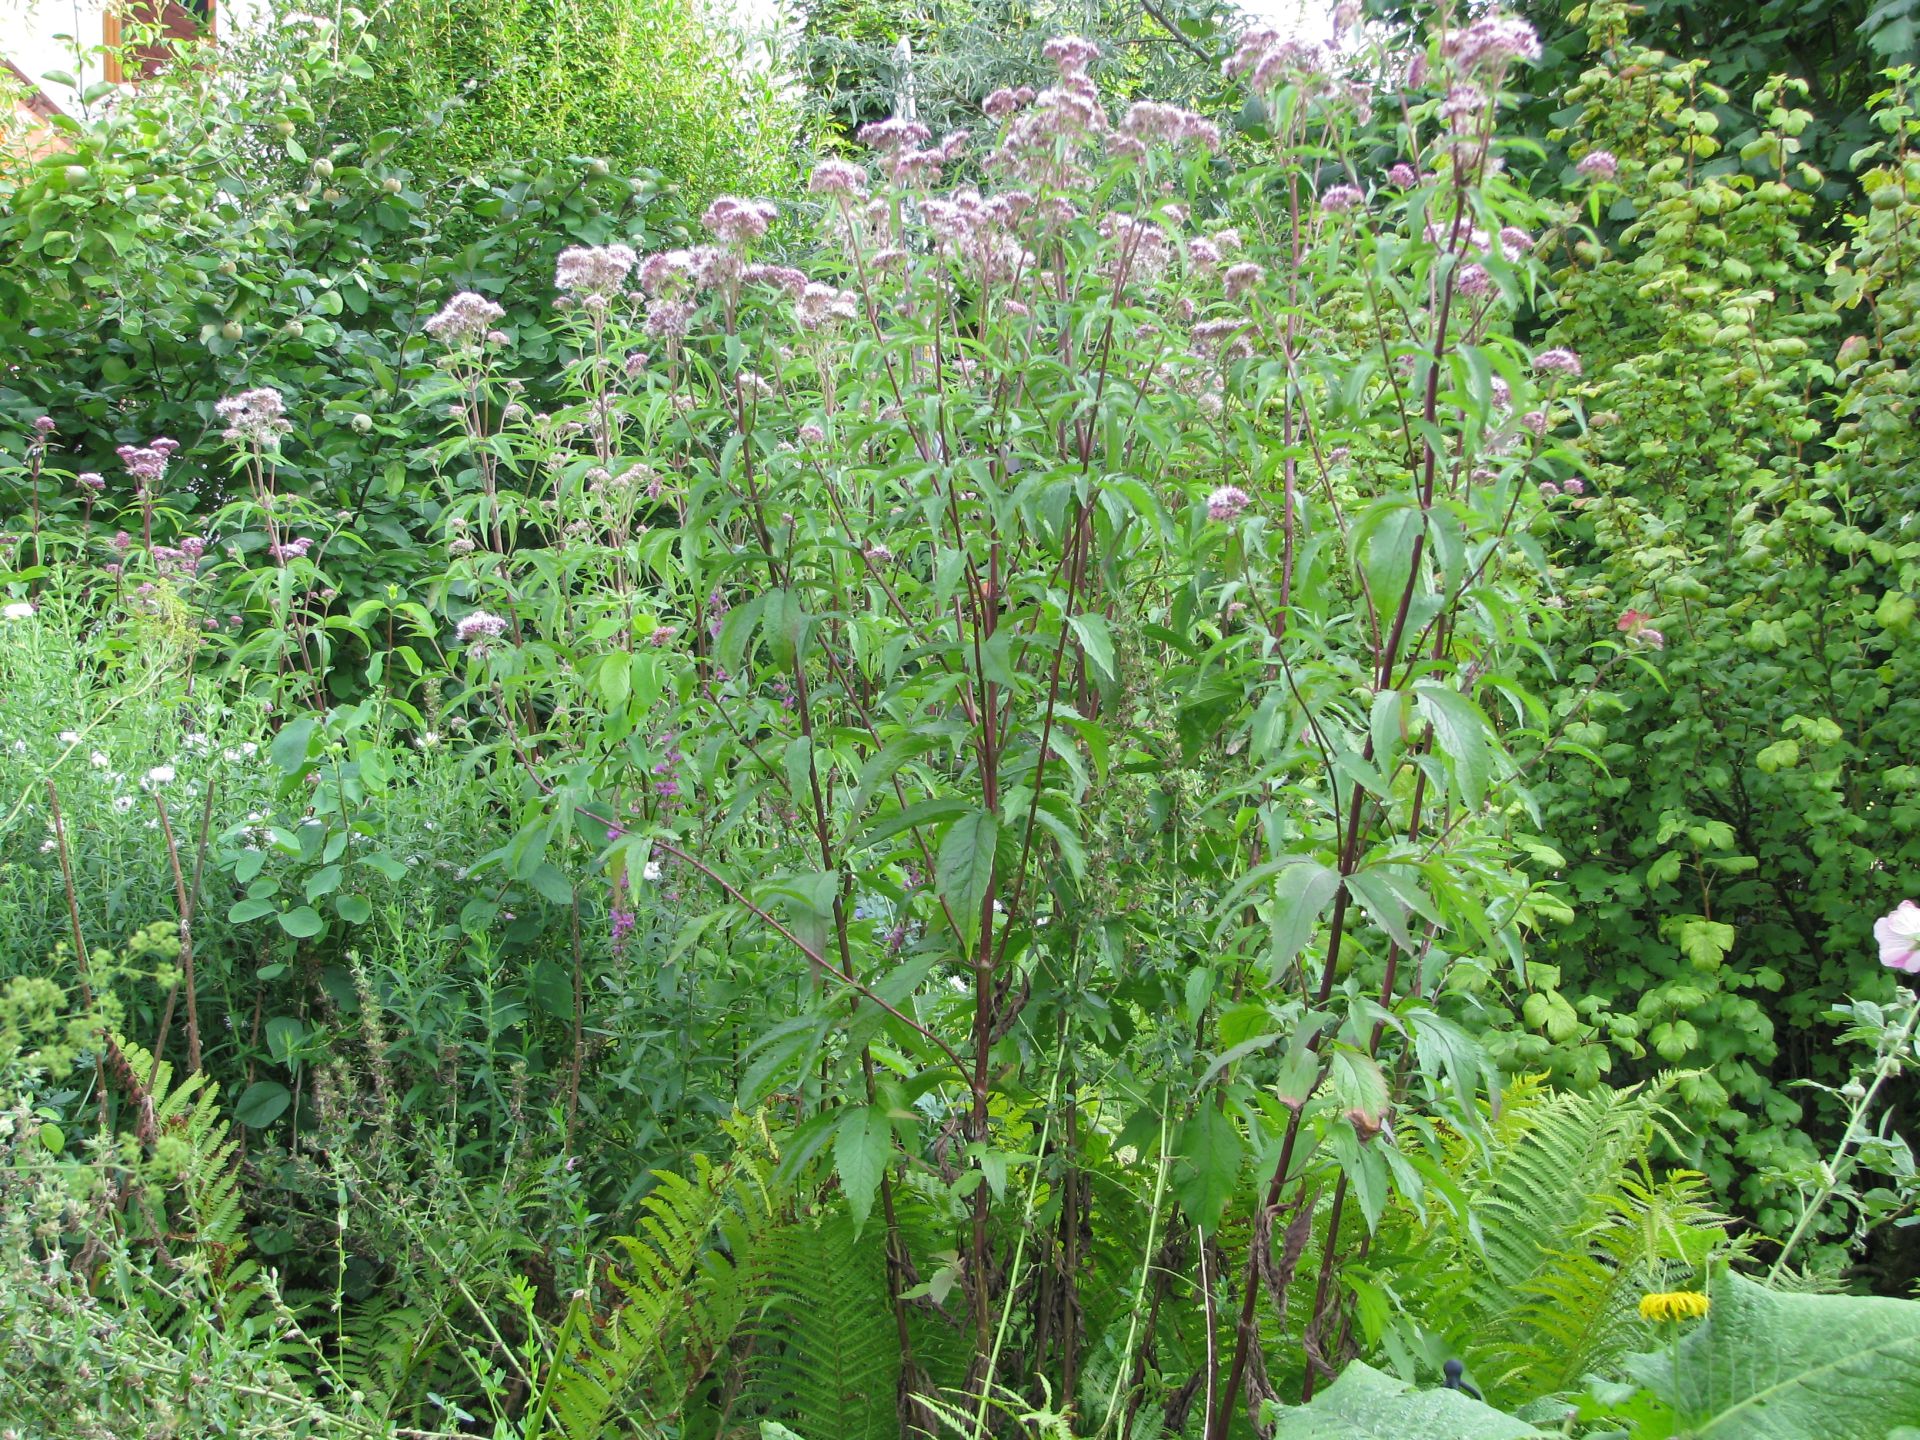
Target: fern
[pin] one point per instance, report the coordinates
(1565, 1226)
(681, 1299)
(825, 1351)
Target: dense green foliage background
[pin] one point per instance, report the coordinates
(1068, 813)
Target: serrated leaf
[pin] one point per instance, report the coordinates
(861, 1143)
(1300, 893)
(965, 868)
(1210, 1151)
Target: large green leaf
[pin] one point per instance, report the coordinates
(966, 868)
(1364, 1404)
(1210, 1154)
(861, 1144)
(1765, 1365)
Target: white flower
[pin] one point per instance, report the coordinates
(17, 610)
(159, 775)
(69, 737)
(651, 870)
(123, 803)
(46, 845)
(99, 759)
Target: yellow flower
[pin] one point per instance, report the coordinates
(1674, 1305)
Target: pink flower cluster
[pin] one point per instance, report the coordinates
(589, 270)
(1492, 44)
(1226, 503)
(1598, 165)
(1151, 122)
(838, 179)
(480, 625)
(183, 558)
(1267, 60)
(466, 319)
(820, 306)
(291, 550)
(1338, 199)
(734, 221)
(1557, 361)
(148, 463)
(90, 480)
(254, 417)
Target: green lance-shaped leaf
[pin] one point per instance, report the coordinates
(1302, 891)
(966, 868)
(860, 1146)
(1364, 1404)
(1765, 1365)
(1463, 735)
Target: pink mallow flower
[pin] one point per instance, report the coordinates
(1899, 937)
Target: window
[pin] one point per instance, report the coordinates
(174, 20)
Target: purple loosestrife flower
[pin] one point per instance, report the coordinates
(1598, 165)
(1226, 503)
(1339, 199)
(620, 925)
(481, 625)
(1557, 361)
(254, 417)
(466, 319)
(1899, 935)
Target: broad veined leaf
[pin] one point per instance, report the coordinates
(1364, 1404)
(1767, 1365)
(262, 1103)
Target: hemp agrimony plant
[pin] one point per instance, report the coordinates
(1067, 629)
